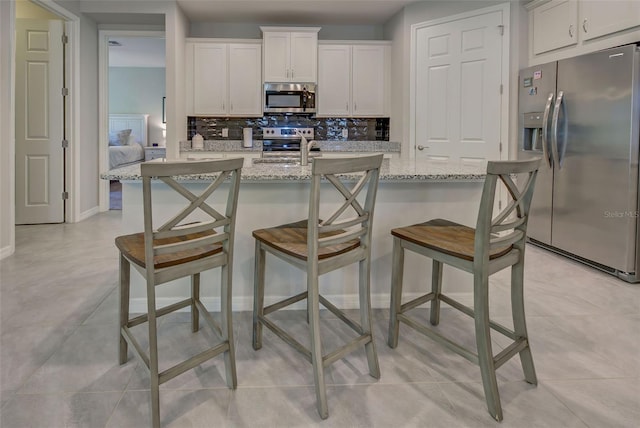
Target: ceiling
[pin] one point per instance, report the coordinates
(302, 12)
(137, 52)
(149, 52)
(268, 12)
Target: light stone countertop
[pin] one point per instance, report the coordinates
(326, 146)
(391, 170)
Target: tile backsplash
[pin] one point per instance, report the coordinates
(326, 129)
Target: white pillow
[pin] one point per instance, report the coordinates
(131, 140)
(123, 136)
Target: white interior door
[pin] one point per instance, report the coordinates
(39, 121)
(458, 94)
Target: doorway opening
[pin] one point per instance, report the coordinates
(135, 90)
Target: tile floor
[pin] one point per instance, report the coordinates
(59, 364)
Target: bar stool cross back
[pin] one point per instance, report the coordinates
(495, 244)
(183, 246)
(319, 247)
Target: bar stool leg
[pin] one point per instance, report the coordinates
(519, 321)
(365, 316)
(227, 326)
(125, 272)
(483, 340)
(258, 296)
(316, 343)
(153, 357)
(436, 289)
(397, 271)
(195, 296)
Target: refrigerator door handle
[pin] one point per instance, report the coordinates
(545, 127)
(554, 130)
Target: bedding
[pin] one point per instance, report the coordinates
(121, 155)
(127, 139)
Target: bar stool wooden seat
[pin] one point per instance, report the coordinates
(319, 247)
(196, 239)
(496, 243)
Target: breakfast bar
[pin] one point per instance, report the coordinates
(410, 191)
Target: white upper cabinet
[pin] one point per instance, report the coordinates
(210, 79)
(224, 79)
(245, 79)
(555, 25)
(334, 80)
(290, 55)
(599, 18)
(564, 28)
(353, 80)
(368, 70)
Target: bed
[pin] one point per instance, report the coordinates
(127, 139)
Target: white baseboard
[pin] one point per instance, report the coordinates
(245, 303)
(7, 251)
(91, 212)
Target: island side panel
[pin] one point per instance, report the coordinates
(266, 204)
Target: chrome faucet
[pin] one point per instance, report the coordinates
(305, 146)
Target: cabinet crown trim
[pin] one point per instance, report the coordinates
(291, 29)
(355, 42)
(221, 40)
(535, 3)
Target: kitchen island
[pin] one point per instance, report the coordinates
(270, 194)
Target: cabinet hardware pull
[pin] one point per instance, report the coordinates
(421, 147)
(584, 25)
(571, 30)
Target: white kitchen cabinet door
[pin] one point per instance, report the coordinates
(245, 79)
(210, 78)
(290, 56)
(304, 57)
(368, 81)
(277, 54)
(334, 75)
(601, 18)
(554, 25)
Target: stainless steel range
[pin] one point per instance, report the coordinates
(285, 139)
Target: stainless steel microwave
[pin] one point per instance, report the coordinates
(290, 98)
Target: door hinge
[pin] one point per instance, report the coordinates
(65, 92)
(65, 39)
(65, 195)
(499, 204)
(501, 29)
(501, 88)
(65, 144)
(500, 146)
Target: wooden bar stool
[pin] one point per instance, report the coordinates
(182, 246)
(496, 243)
(318, 247)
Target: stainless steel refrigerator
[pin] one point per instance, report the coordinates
(582, 116)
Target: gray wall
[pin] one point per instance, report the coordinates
(398, 29)
(7, 241)
(139, 90)
(252, 31)
(87, 143)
